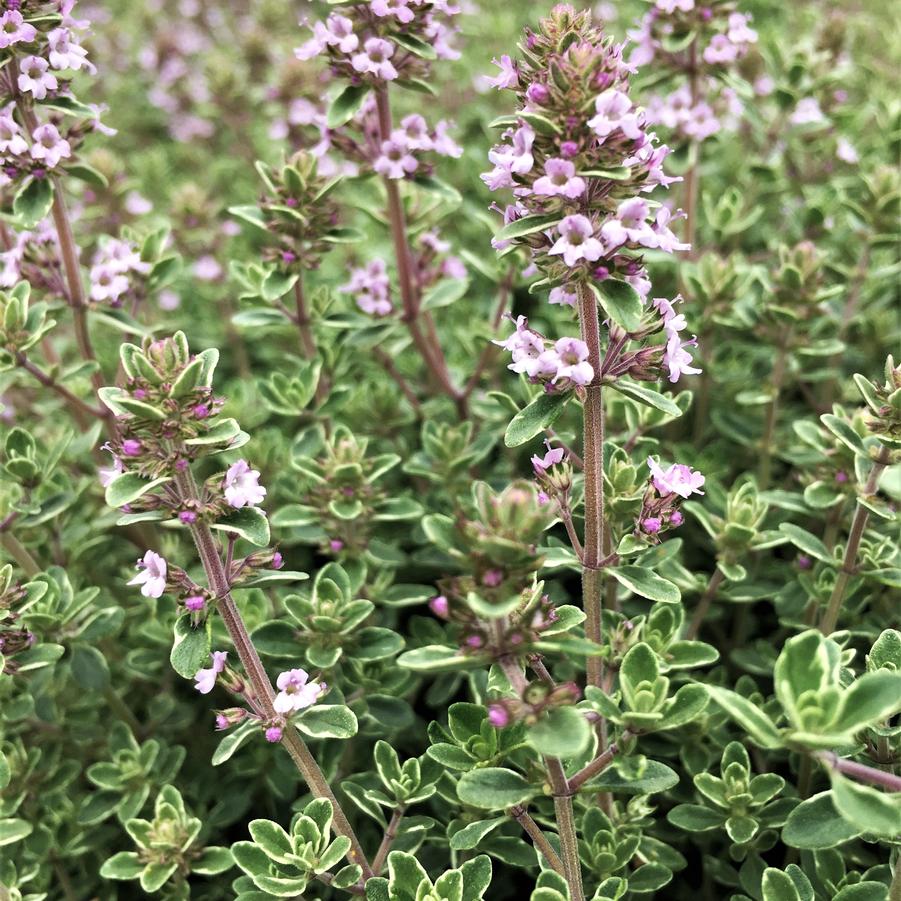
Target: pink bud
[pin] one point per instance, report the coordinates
(181, 465)
(131, 447)
(274, 734)
(492, 578)
(537, 93)
(201, 411)
(601, 273)
(277, 560)
(139, 394)
(195, 602)
(439, 606)
(498, 716)
(569, 149)
(474, 641)
(221, 721)
(188, 517)
(676, 518)
(841, 476)
(336, 545)
(651, 524)
(804, 562)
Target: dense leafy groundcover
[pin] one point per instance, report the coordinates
(511, 453)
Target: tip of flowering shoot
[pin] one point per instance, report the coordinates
(152, 575)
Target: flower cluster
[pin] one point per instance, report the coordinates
(370, 287)
(33, 257)
(537, 698)
(40, 63)
(14, 638)
(560, 365)
(676, 358)
(667, 489)
(384, 40)
(115, 264)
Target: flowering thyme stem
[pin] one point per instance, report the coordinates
(429, 350)
(530, 827)
(306, 763)
(563, 801)
(593, 465)
(307, 344)
(861, 515)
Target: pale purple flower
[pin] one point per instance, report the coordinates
(370, 286)
(108, 473)
(152, 575)
(676, 359)
(614, 112)
(739, 31)
(664, 238)
(375, 59)
(577, 241)
(720, 50)
(542, 464)
(559, 179)
(207, 268)
(560, 295)
(64, 54)
(629, 226)
(525, 346)
(508, 76)
(11, 141)
(807, 112)
(678, 479)
(509, 159)
(242, 487)
(205, 679)
(14, 29)
(395, 161)
(443, 144)
(845, 151)
(296, 691)
(672, 321)
(108, 283)
(670, 6)
(573, 365)
(396, 8)
(413, 133)
(34, 78)
(49, 146)
(337, 31)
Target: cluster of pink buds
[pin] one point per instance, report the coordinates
(537, 698)
(560, 365)
(384, 40)
(370, 287)
(113, 272)
(667, 489)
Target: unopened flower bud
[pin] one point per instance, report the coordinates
(195, 602)
(498, 716)
(676, 518)
(131, 447)
(188, 517)
(274, 734)
(439, 606)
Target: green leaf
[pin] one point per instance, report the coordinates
(128, 487)
(528, 225)
(806, 542)
(620, 301)
(248, 523)
(14, 830)
(89, 668)
(327, 721)
(778, 886)
(533, 419)
(758, 725)
(646, 583)
(843, 431)
(273, 840)
(33, 201)
(562, 732)
(213, 860)
(872, 698)
(191, 648)
(695, 818)
(5, 773)
(232, 741)
(814, 825)
(494, 788)
(476, 878)
(88, 174)
(470, 836)
(866, 808)
(646, 396)
(414, 45)
(124, 865)
(346, 105)
(156, 875)
(654, 777)
(436, 658)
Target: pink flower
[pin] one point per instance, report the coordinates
(395, 161)
(205, 679)
(563, 297)
(371, 288)
(108, 283)
(508, 77)
(577, 241)
(11, 141)
(664, 238)
(614, 113)
(559, 179)
(807, 112)
(526, 347)
(34, 78)
(845, 151)
(672, 321)
(573, 365)
(542, 464)
(296, 691)
(443, 144)
(676, 359)
(67, 55)
(152, 575)
(109, 473)
(510, 159)
(629, 226)
(413, 133)
(242, 487)
(375, 59)
(396, 8)
(14, 29)
(670, 6)
(678, 479)
(49, 147)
